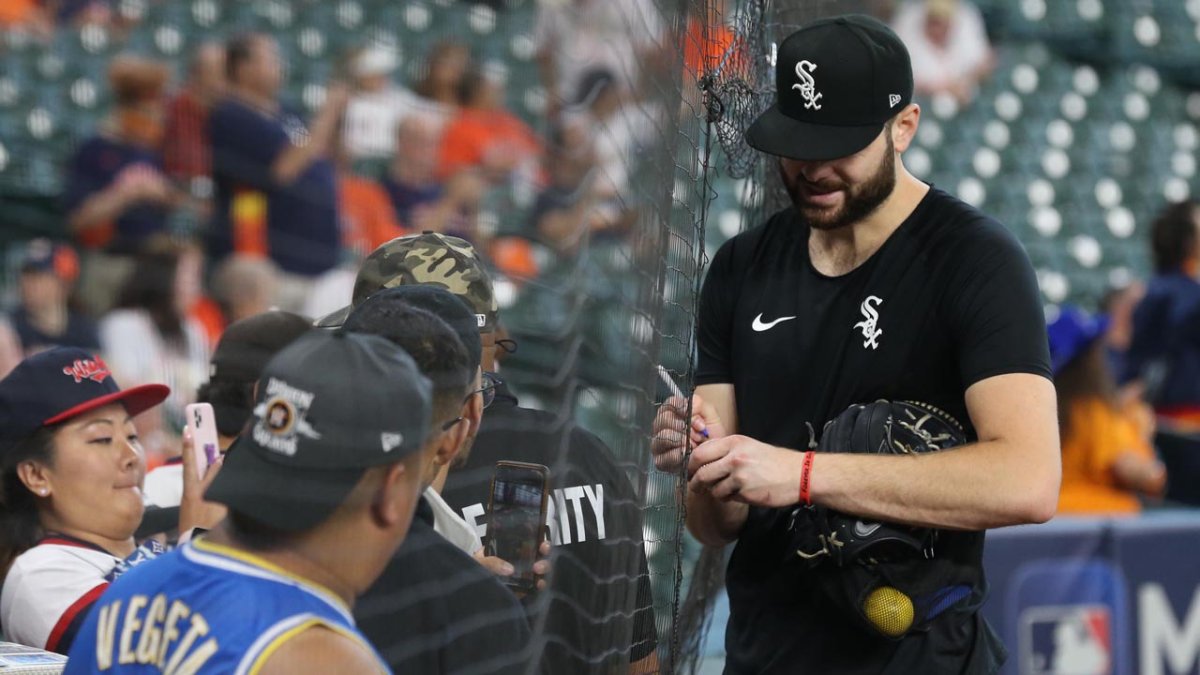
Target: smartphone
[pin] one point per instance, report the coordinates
(202, 422)
(517, 518)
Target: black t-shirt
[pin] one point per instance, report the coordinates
(436, 610)
(950, 299)
(597, 615)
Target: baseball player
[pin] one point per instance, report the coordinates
(858, 545)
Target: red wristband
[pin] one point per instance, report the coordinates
(805, 475)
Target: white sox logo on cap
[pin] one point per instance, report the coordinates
(807, 85)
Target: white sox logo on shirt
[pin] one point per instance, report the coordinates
(870, 319)
(807, 85)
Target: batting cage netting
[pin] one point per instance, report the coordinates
(592, 153)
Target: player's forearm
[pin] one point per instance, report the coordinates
(714, 522)
(974, 487)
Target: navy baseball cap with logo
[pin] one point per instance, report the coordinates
(59, 384)
(837, 81)
(330, 405)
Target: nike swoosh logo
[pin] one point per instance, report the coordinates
(759, 326)
(863, 530)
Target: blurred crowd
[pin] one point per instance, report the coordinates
(205, 197)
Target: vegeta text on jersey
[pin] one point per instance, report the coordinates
(156, 631)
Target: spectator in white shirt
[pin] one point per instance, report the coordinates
(948, 45)
(377, 105)
(623, 37)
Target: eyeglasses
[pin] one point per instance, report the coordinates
(490, 382)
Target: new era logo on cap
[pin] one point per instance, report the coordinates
(893, 99)
(390, 440)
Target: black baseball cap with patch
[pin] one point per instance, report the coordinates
(330, 406)
(243, 350)
(837, 81)
(437, 301)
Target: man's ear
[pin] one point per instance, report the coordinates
(395, 494)
(473, 411)
(453, 439)
(904, 127)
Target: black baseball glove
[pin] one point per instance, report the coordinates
(859, 555)
(882, 427)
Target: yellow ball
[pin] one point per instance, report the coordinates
(889, 610)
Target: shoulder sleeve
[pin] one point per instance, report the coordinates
(46, 599)
(244, 146)
(714, 323)
(129, 346)
(1150, 333)
(994, 306)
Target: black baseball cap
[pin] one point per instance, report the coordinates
(248, 344)
(61, 383)
(243, 350)
(330, 405)
(837, 81)
(437, 301)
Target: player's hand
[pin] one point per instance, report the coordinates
(738, 468)
(503, 568)
(669, 441)
(194, 511)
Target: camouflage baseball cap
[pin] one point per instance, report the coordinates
(428, 258)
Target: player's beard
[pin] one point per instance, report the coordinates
(858, 201)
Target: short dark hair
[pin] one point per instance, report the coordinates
(431, 343)
(239, 50)
(228, 396)
(1173, 236)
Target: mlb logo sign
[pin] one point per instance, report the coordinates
(1066, 640)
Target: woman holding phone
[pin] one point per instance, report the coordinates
(71, 471)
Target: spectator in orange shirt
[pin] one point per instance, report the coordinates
(365, 210)
(26, 14)
(484, 134)
(707, 40)
(1107, 457)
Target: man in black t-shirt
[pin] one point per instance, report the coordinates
(873, 285)
(596, 616)
(435, 609)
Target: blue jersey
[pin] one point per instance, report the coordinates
(203, 608)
